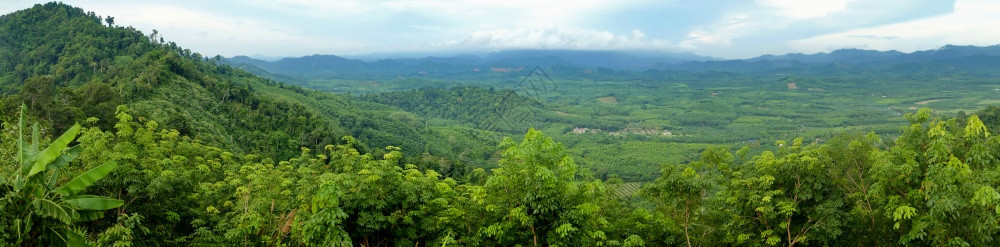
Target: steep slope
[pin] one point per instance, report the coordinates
(66, 65)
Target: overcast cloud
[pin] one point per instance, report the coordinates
(720, 28)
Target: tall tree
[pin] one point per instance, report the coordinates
(537, 198)
(787, 198)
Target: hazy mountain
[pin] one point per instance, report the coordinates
(599, 59)
(838, 56)
(949, 55)
(948, 52)
(331, 65)
(371, 57)
(367, 67)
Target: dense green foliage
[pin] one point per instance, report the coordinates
(36, 211)
(162, 147)
(188, 193)
(615, 122)
(935, 185)
(626, 123)
(497, 110)
(632, 122)
(44, 67)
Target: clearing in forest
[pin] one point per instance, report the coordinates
(928, 101)
(608, 100)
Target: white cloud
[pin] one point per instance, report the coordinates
(805, 9)
(769, 25)
(973, 22)
(213, 33)
(557, 38)
(375, 25)
(11, 6)
(317, 9)
(475, 12)
(735, 29)
(698, 38)
(722, 32)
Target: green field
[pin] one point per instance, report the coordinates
(625, 115)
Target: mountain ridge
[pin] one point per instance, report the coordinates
(70, 65)
(330, 65)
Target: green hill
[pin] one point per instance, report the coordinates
(67, 66)
(134, 141)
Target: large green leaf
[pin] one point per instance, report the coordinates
(86, 179)
(90, 202)
(62, 161)
(28, 223)
(53, 150)
(35, 137)
(52, 210)
(67, 157)
(74, 238)
(90, 215)
(25, 153)
(53, 178)
(20, 135)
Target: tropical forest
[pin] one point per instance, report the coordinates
(114, 135)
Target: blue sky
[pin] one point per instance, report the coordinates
(719, 28)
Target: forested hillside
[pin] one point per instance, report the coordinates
(111, 137)
(66, 65)
(498, 110)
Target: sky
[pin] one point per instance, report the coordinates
(718, 28)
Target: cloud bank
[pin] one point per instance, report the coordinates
(721, 28)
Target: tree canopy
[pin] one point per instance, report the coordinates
(138, 142)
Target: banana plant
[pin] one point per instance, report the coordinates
(44, 212)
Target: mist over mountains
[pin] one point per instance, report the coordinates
(622, 60)
(950, 56)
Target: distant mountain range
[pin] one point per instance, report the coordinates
(325, 64)
(948, 55)
(336, 66)
(854, 56)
